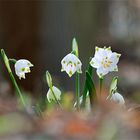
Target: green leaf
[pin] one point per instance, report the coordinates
(113, 86)
(90, 69)
(85, 87)
(75, 47)
(89, 87)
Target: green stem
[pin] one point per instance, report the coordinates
(78, 90)
(38, 110)
(101, 86)
(55, 97)
(12, 60)
(17, 89)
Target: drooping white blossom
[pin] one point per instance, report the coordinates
(105, 61)
(87, 103)
(22, 67)
(117, 98)
(71, 64)
(54, 93)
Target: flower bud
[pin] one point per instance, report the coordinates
(49, 79)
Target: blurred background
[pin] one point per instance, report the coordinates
(42, 32)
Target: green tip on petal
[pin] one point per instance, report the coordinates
(91, 62)
(101, 76)
(96, 48)
(70, 73)
(109, 48)
(79, 71)
(115, 69)
(118, 55)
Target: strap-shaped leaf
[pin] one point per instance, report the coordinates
(91, 88)
(86, 87)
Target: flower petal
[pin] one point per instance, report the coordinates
(50, 95)
(115, 58)
(95, 62)
(117, 98)
(108, 51)
(101, 72)
(113, 68)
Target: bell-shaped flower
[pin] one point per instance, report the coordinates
(22, 67)
(87, 103)
(105, 61)
(117, 98)
(53, 94)
(71, 64)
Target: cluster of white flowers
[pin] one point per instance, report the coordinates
(104, 61)
(22, 67)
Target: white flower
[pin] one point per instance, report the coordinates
(22, 67)
(87, 103)
(71, 64)
(56, 92)
(105, 61)
(117, 98)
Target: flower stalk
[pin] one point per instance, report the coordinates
(78, 90)
(86, 89)
(75, 51)
(18, 91)
(13, 61)
(100, 85)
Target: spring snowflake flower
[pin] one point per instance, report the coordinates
(22, 67)
(55, 91)
(71, 64)
(87, 104)
(105, 61)
(117, 98)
